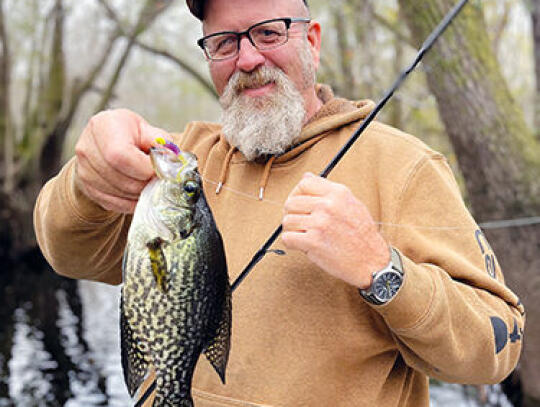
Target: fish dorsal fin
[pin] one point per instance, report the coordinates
(217, 351)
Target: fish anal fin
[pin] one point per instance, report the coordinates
(134, 365)
(158, 263)
(217, 350)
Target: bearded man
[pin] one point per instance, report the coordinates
(385, 280)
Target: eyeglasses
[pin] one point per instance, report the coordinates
(265, 35)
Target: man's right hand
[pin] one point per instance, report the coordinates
(112, 161)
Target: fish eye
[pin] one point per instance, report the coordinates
(191, 187)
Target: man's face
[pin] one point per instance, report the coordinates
(266, 95)
(238, 15)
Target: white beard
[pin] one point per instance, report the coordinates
(265, 125)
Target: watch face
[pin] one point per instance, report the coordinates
(386, 286)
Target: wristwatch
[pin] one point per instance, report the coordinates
(386, 282)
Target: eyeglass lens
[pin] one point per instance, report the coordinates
(264, 36)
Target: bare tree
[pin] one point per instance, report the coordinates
(534, 6)
(6, 146)
(497, 154)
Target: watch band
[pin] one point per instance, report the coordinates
(394, 266)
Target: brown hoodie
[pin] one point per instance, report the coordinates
(301, 337)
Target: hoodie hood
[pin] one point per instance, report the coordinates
(335, 113)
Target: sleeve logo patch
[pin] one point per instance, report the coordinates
(502, 336)
(487, 252)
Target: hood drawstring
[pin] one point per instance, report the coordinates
(265, 176)
(225, 168)
(286, 156)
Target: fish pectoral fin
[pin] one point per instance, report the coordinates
(134, 364)
(217, 351)
(158, 263)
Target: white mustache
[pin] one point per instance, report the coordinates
(256, 79)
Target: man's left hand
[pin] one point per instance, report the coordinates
(335, 230)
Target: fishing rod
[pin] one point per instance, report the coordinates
(426, 46)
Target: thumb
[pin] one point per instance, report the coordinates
(148, 135)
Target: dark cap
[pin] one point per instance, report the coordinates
(197, 7)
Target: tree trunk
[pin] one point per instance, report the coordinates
(497, 154)
(535, 16)
(396, 105)
(345, 53)
(364, 30)
(4, 75)
(6, 137)
(53, 97)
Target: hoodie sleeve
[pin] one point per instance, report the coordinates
(78, 238)
(453, 318)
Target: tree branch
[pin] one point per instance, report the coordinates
(151, 10)
(394, 28)
(206, 84)
(80, 88)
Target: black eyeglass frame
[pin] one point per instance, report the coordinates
(287, 20)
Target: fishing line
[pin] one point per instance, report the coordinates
(242, 193)
(491, 224)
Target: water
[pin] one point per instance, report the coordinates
(97, 379)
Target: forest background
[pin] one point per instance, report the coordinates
(475, 98)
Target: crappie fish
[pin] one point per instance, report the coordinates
(176, 297)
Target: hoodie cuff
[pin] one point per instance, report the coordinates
(86, 210)
(411, 306)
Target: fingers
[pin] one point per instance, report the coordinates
(114, 142)
(296, 241)
(112, 161)
(135, 162)
(296, 223)
(128, 188)
(148, 135)
(109, 202)
(301, 204)
(313, 185)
